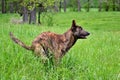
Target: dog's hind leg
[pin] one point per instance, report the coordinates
(39, 51)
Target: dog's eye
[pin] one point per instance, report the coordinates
(80, 28)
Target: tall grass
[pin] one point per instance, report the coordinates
(95, 58)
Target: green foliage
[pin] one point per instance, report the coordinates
(110, 4)
(73, 5)
(33, 3)
(94, 58)
(47, 18)
(47, 3)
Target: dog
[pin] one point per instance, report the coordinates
(49, 43)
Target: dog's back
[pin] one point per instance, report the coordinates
(50, 40)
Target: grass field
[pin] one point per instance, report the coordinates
(96, 58)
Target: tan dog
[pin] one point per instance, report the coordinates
(48, 43)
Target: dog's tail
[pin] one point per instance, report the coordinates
(16, 40)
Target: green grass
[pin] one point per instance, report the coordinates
(96, 58)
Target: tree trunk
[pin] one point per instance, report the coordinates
(25, 15)
(88, 6)
(107, 5)
(39, 13)
(113, 5)
(56, 6)
(40, 10)
(118, 3)
(32, 19)
(3, 6)
(79, 5)
(65, 3)
(60, 5)
(11, 7)
(100, 5)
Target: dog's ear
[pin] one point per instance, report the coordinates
(73, 23)
(73, 28)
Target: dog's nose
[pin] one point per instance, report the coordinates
(88, 33)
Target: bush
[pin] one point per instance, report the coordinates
(47, 19)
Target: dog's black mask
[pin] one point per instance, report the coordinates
(78, 31)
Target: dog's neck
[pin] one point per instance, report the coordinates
(70, 39)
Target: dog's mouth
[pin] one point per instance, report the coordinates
(84, 36)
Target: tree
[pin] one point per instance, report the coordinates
(118, 5)
(100, 5)
(3, 6)
(32, 19)
(88, 6)
(56, 6)
(107, 5)
(25, 14)
(65, 5)
(30, 6)
(113, 1)
(40, 10)
(60, 5)
(79, 5)
(11, 7)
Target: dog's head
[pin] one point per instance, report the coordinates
(78, 31)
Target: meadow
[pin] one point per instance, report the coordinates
(94, 58)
